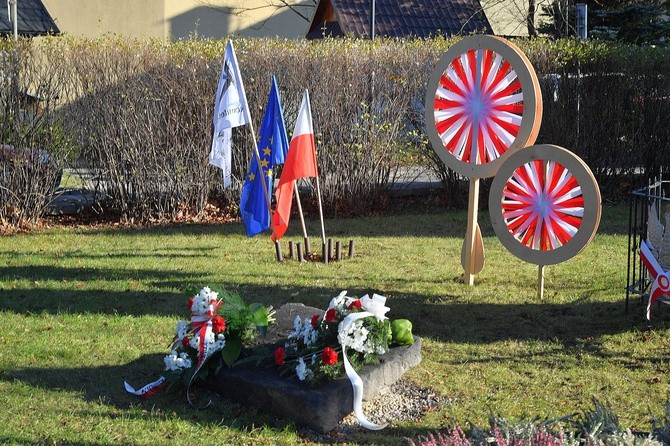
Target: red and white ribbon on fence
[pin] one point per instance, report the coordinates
(661, 285)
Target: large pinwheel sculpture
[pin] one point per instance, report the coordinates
(544, 204)
(483, 103)
(483, 114)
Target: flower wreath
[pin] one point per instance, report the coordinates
(218, 331)
(357, 330)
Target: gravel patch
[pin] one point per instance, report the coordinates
(403, 401)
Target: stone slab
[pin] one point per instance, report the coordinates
(319, 408)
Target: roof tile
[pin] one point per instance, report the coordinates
(418, 18)
(33, 19)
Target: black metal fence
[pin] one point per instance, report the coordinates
(656, 192)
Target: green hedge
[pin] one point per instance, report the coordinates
(140, 111)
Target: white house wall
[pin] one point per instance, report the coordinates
(508, 17)
(176, 19)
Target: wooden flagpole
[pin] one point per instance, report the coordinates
(247, 115)
(318, 189)
(471, 255)
(302, 216)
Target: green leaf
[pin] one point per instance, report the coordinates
(402, 332)
(260, 317)
(231, 351)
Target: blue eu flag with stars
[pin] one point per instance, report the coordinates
(272, 148)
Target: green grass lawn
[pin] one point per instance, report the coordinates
(82, 310)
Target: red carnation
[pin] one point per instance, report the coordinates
(185, 341)
(329, 356)
(315, 321)
(218, 324)
(190, 303)
(331, 315)
(355, 305)
(280, 354)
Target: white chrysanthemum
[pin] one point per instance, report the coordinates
(315, 337)
(359, 337)
(182, 329)
(175, 361)
(219, 343)
(297, 328)
(290, 347)
(203, 300)
(301, 369)
(194, 342)
(210, 339)
(354, 335)
(309, 335)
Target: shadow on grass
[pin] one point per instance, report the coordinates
(574, 328)
(566, 323)
(104, 385)
(447, 318)
(39, 273)
(443, 223)
(132, 302)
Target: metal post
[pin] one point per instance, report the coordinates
(12, 10)
(581, 18)
(372, 19)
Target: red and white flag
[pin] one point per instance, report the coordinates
(300, 163)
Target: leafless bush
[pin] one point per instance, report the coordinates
(609, 105)
(34, 146)
(365, 99)
(143, 117)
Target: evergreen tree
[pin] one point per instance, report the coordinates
(631, 21)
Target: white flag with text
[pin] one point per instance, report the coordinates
(230, 110)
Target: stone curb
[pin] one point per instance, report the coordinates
(320, 408)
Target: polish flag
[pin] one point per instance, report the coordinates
(300, 163)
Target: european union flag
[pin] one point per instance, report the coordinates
(272, 148)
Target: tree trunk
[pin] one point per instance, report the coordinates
(530, 18)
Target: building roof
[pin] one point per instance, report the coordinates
(398, 18)
(33, 19)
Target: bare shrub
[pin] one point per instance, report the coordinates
(609, 104)
(143, 116)
(34, 146)
(364, 98)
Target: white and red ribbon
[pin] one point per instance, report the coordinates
(661, 285)
(200, 324)
(148, 390)
(356, 381)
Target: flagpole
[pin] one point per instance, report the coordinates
(302, 216)
(260, 167)
(318, 189)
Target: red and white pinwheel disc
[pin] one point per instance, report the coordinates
(544, 204)
(483, 103)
